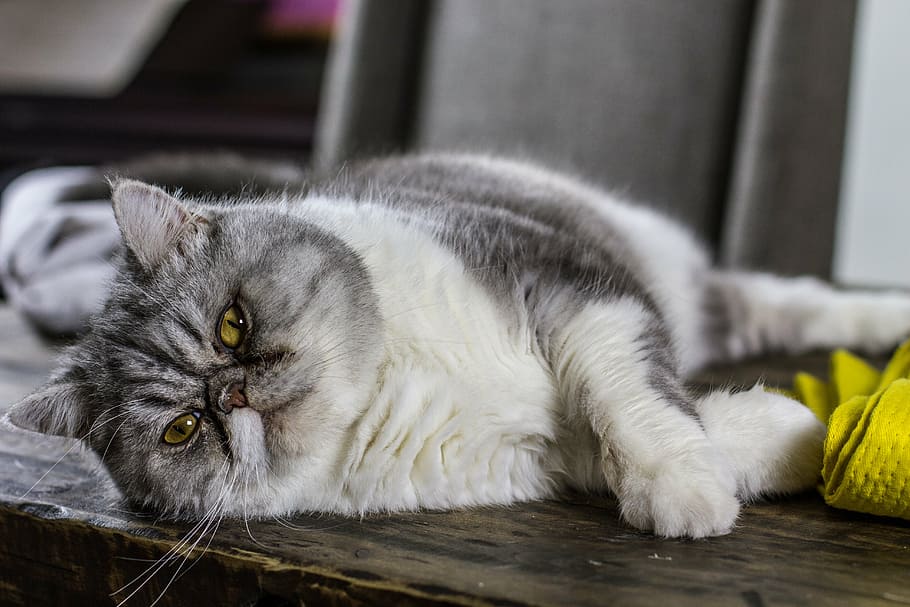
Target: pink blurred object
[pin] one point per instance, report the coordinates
(305, 17)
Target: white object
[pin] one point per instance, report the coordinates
(54, 256)
(83, 47)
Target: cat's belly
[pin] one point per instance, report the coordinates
(454, 429)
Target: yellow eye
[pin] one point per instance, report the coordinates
(181, 429)
(233, 327)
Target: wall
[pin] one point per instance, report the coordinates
(873, 238)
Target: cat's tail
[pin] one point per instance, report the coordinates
(771, 444)
(750, 313)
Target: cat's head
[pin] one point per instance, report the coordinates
(236, 350)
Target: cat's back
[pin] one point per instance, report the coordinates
(518, 224)
(483, 189)
(511, 222)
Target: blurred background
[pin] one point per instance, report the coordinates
(776, 129)
(89, 81)
(874, 215)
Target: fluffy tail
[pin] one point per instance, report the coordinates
(750, 313)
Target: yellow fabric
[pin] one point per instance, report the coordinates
(815, 394)
(867, 449)
(852, 376)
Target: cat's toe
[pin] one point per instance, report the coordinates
(676, 505)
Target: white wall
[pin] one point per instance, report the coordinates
(873, 237)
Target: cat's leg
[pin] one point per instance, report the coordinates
(751, 313)
(612, 361)
(772, 444)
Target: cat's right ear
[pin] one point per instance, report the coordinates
(56, 409)
(153, 223)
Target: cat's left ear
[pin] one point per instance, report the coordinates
(56, 409)
(153, 223)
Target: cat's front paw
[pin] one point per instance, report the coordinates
(676, 504)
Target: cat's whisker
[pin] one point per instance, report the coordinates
(481, 268)
(329, 528)
(165, 305)
(334, 347)
(135, 559)
(135, 513)
(326, 361)
(49, 470)
(327, 355)
(177, 573)
(428, 306)
(286, 523)
(358, 350)
(246, 523)
(172, 554)
(158, 563)
(175, 551)
(246, 519)
(184, 553)
(146, 575)
(111, 441)
(331, 354)
(98, 423)
(205, 548)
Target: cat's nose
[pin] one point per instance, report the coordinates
(234, 396)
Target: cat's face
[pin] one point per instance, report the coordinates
(236, 350)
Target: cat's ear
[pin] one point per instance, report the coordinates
(153, 223)
(56, 409)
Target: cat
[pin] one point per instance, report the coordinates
(439, 331)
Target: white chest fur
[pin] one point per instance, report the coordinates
(465, 410)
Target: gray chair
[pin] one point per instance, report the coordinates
(728, 114)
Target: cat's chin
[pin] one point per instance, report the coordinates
(247, 442)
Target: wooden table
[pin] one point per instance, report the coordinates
(69, 541)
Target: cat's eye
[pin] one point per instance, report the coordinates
(181, 429)
(232, 328)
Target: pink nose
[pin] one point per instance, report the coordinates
(233, 397)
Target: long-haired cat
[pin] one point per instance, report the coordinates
(437, 332)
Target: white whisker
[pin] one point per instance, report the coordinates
(77, 442)
(111, 441)
(246, 520)
(175, 551)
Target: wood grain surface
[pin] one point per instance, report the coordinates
(70, 541)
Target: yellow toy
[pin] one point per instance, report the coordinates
(867, 449)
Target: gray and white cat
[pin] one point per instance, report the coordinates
(436, 332)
